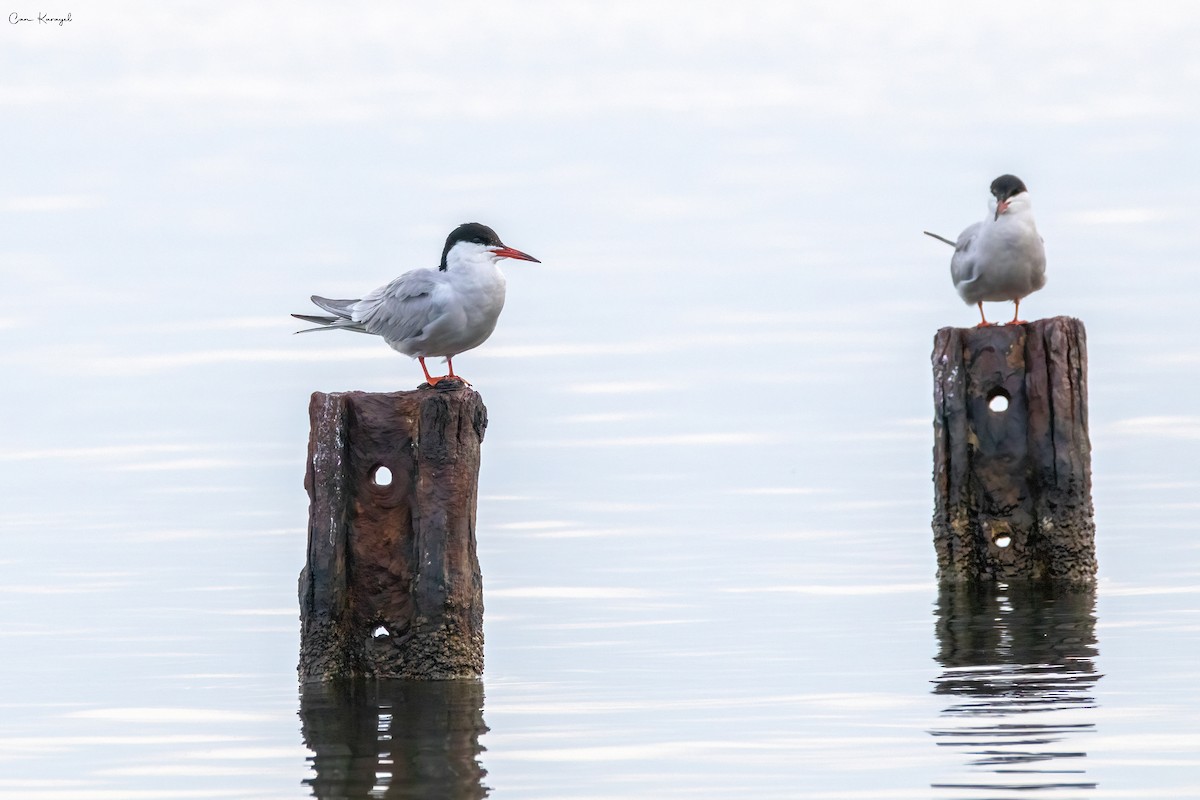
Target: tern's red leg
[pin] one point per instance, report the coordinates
(429, 378)
(1016, 320)
(450, 364)
(982, 317)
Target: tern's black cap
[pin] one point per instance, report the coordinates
(470, 232)
(1007, 186)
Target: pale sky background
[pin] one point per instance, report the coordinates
(730, 188)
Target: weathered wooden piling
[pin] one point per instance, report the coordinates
(1012, 457)
(391, 587)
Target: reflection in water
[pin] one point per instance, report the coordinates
(1018, 662)
(394, 739)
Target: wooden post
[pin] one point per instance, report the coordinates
(392, 587)
(1012, 458)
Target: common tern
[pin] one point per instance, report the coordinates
(427, 313)
(1001, 257)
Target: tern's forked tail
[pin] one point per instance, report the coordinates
(341, 319)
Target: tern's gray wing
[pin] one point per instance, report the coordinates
(402, 309)
(964, 265)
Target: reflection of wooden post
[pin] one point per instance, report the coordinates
(1028, 624)
(392, 587)
(1019, 676)
(1012, 458)
(381, 738)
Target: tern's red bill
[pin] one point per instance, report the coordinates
(512, 252)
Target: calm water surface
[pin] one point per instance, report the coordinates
(705, 496)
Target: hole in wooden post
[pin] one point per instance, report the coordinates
(1002, 540)
(382, 476)
(997, 400)
(379, 632)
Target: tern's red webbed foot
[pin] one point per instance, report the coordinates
(434, 381)
(450, 379)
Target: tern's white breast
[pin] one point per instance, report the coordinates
(466, 306)
(1005, 259)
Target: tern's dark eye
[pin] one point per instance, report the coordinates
(478, 240)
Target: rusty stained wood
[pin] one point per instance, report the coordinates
(392, 587)
(1013, 487)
